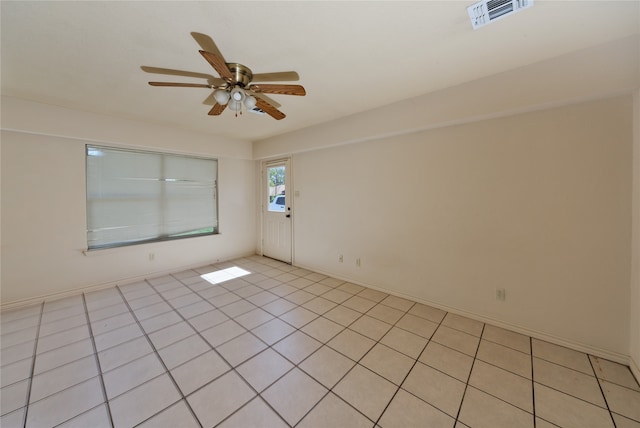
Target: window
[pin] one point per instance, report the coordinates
(276, 176)
(277, 204)
(136, 197)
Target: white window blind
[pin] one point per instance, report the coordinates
(135, 197)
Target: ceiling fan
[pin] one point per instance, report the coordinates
(237, 86)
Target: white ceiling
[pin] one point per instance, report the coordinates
(350, 56)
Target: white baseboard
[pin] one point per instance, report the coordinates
(95, 287)
(567, 343)
(635, 368)
(598, 352)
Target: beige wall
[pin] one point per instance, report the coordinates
(43, 201)
(440, 199)
(560, 249)
(635, 244)
(567, 79)
(536, 203)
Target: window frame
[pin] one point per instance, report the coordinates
(161, 199)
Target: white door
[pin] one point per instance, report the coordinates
(276, 210)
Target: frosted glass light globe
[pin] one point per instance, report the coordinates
(221, 96)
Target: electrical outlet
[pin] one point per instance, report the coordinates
(501, 294)
(152, 257)
(358, 262)
(341, 258)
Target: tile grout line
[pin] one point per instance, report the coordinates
(448, 374)
(131, 312)
(509, 371)
(412, 366)
(33, 366)
(502, 369)
(155, 351)
(489, 363)
(299, 329)
(568, 367)
(41, 326)
(329, 390)
(296, 304)
(133, 322)
(269, 346)
(466, 385)
(97, 360)
(572, 396)
(604, 397)
(196, 292)
(578, 372)
(533, 389)
(482, 390)
(362, 314)
(232, 368)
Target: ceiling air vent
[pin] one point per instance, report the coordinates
(487, 11)
(256, 110)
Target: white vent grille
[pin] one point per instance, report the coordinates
(256, 110)
(488, 11)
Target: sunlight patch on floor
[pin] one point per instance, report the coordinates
(224, 275)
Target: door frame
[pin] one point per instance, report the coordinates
(264, 202)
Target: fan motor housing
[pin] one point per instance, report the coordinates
(242, 74)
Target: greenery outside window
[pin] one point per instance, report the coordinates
(137, 197)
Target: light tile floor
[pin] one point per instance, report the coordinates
(255, 342)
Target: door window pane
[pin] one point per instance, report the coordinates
(276, 188)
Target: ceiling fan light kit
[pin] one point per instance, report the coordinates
(235, 106)
(250, 102)
(237, 94)
(236, 90)
(221, 96)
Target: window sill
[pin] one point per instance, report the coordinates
(140, 247)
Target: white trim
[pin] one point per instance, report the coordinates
(124, 145)
(137, 246)
(264, 203)
(450, 123)
(634, 301)
(124, 281)
(598, 352)
(577, 346)
(635, 369)
(275, 161)
(292, 201)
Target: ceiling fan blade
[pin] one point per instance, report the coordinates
(217, 62)
(282, 76)
(267, 99)
(279, 89)
(210, 100)
(206, 43)
(269, 109)
(172, 72)
(181, 85)
(217, 109)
